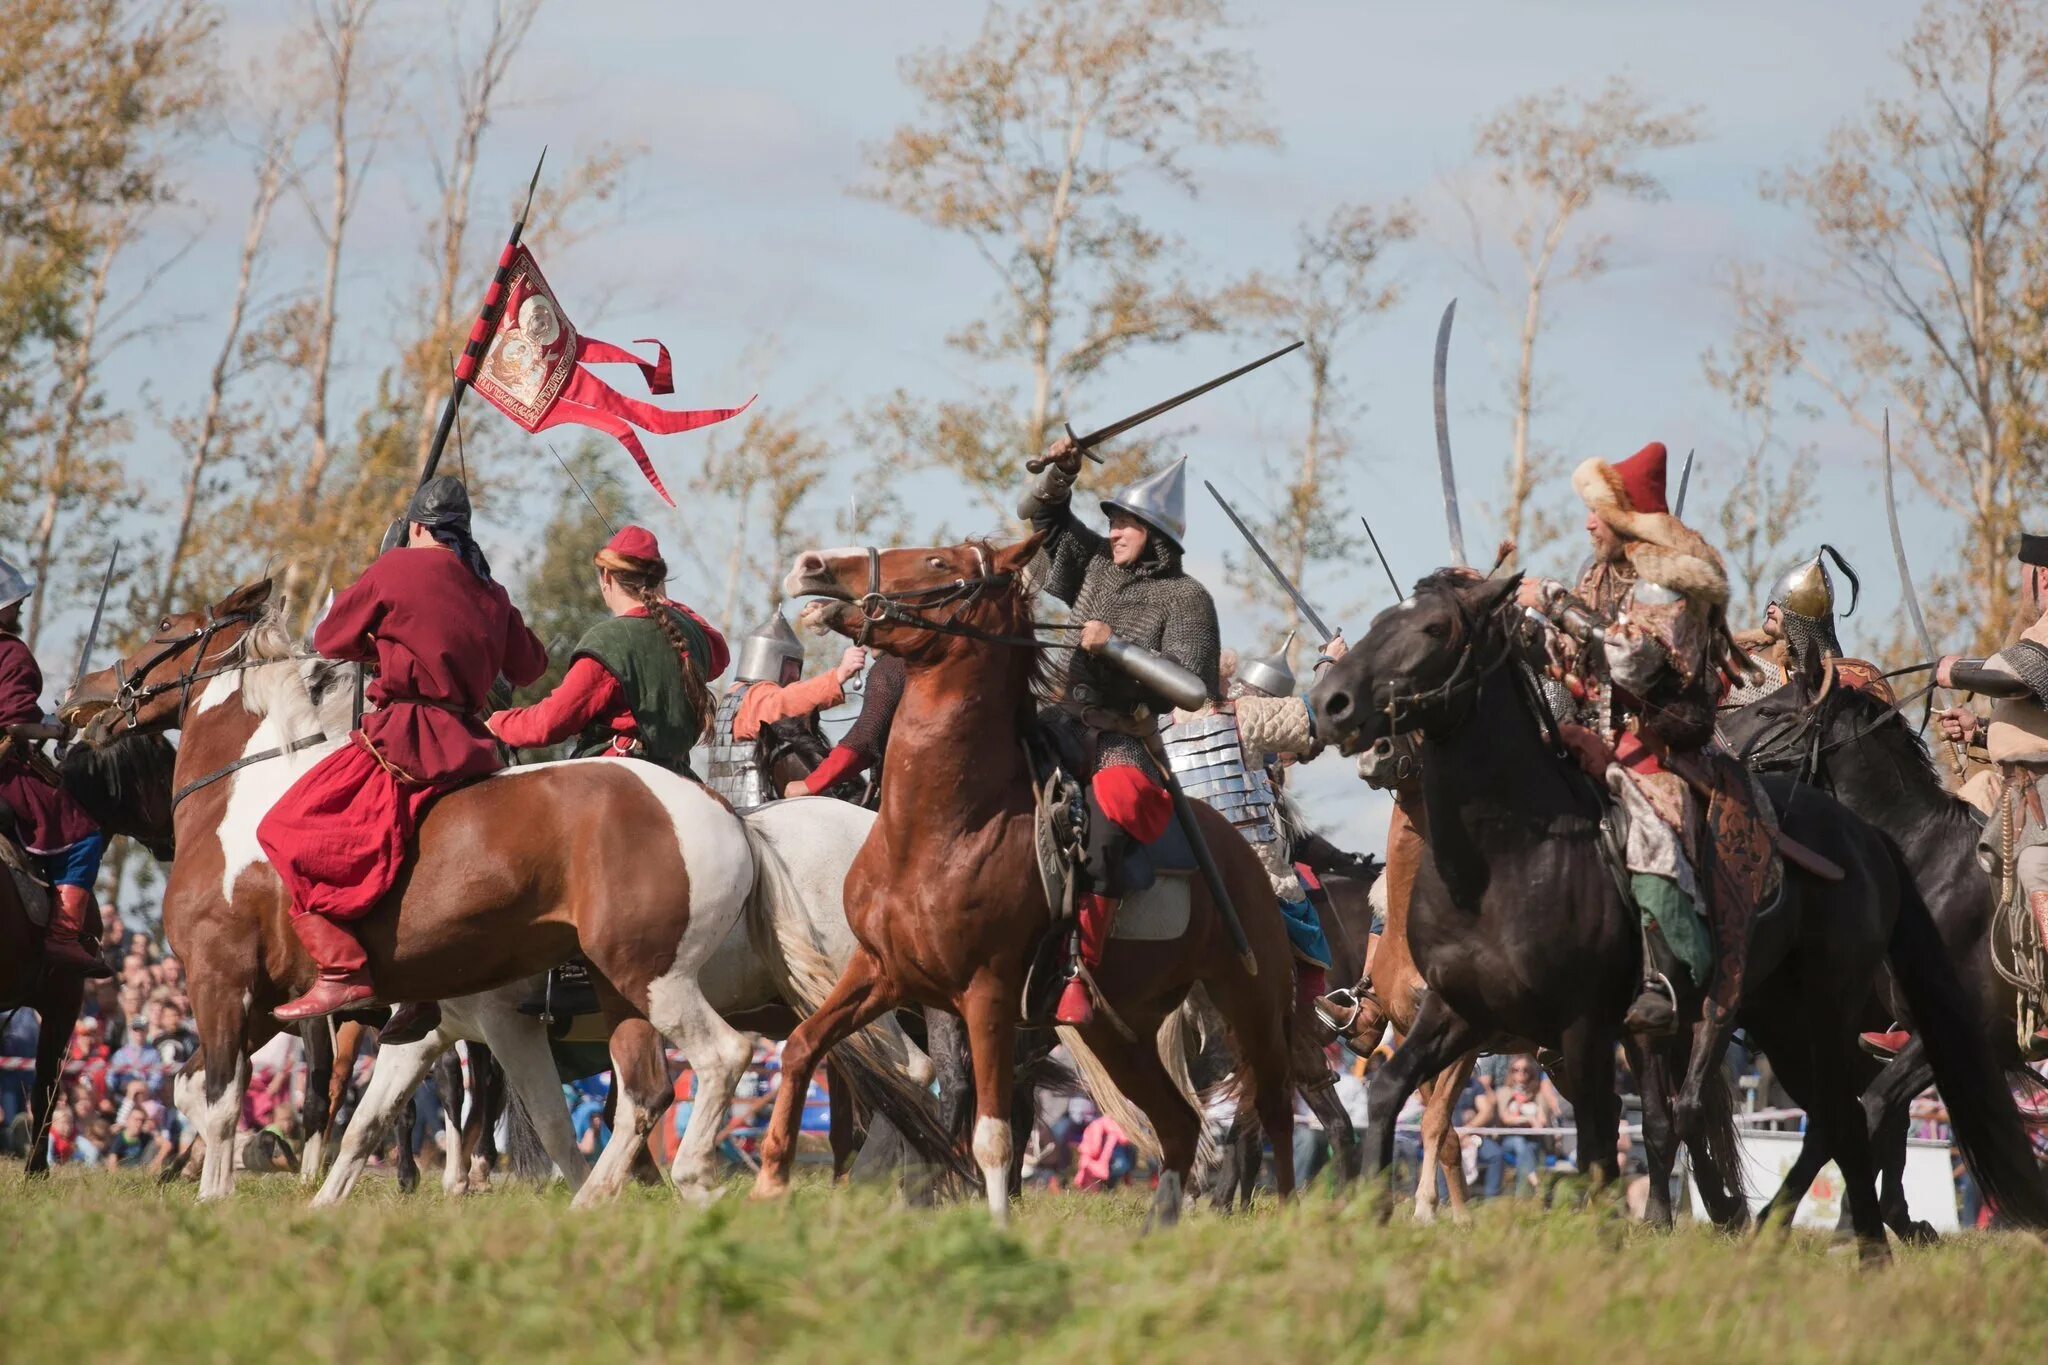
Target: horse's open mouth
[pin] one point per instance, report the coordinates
(811, 575)
(822, 616)
(79, 714)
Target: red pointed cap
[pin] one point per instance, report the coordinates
(634, 542)
(1642, 478)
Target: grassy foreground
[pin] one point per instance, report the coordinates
(101, 1266)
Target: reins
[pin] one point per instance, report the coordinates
(906, 606)
(1403, 709)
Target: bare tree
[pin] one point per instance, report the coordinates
(764, 475)
(204, 438)
(1930, 292)
(1551, 156)
(1029, 142)
(1336, 285)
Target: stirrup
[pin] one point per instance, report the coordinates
(1642, 1016)
(1344, 999)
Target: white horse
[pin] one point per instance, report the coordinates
(788, 948)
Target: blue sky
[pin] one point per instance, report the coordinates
(737, 227)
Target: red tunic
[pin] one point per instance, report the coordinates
(47, 818)
(440, 635)
(587, 694)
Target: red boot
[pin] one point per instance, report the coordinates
(1093, 916)
(344, 981)
(64, 946)
(1311, 982)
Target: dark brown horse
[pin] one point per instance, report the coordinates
(124, 789)
(945, 896)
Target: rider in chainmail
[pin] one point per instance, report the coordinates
(1132, 583)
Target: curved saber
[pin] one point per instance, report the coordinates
(1684, 487)
(1443, 435)
(1912, 598)
(1309, 613)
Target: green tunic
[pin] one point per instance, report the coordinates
(634, 650)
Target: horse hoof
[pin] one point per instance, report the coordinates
(700, 1194)
(1922, 1234)
(1425, 1213)
(1165, 1202)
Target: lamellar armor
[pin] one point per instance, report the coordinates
(1207, 754)
(735, 771)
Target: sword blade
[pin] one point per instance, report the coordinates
(1118, 428)
(1308, 612)
(1443, 434)
(1906, 590)
(1392, 581)
(1684, 486)
(92, 632)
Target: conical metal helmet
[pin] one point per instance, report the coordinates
(1270, 675)
(1159, 500)
(1808, 590)
(767, 647)
(14, 585)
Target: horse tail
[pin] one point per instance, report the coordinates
(1176, 1032)
(1985, 1120)
(1726, 1194)
(876, 1064)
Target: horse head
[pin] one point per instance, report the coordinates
(149, 690)
(1420, 663)
(919, 604)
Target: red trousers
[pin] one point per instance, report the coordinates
(338, 837)
(1133, 802)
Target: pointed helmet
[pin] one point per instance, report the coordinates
(1159, 500)
(1270, 675)
(1808, 589)
(767, 647)
(14, 585)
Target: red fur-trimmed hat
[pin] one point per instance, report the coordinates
(632, 548)
(1629, 498)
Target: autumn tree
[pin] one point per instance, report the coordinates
(763, 479)
(1299, 501)
(1030, 142)
(1550, 158)
(1930, 286)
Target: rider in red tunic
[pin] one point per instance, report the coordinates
(440, 632)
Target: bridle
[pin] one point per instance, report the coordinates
(907, 606)
(1409, 710)
(1796, 743)
(131, 694)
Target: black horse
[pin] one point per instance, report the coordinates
(1520, 926)
(1861, 750)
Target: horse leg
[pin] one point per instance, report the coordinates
(1589, 1074)
(479, 1128)
(1838, 1111)
(1329, 1111)
(1425, 1178)
(1137, 1071)
(839, 1112)
(1660, 1137)
(861, 996)
(348, 1038)
(520, 1043)
(1888, 1140)
(1887, 1104)
(1440, 1135)
(1259, 1023)
(718, 1053)
(449, 1093)
(318, 1037)
(58, 1002)
(393, 1081)
(989, 1012)
(222, 1015)
(1437, 1038)
(640, 1081)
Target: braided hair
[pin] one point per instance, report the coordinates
(643, 578)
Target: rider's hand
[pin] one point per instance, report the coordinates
(1095, 637)
(1064, 453)
(1334, 648)
(1944, 670)
(797, 788)
(1958, 725)
(1532, 593)
(851, 663)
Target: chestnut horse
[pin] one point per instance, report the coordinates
(945, 896)
(639, 869)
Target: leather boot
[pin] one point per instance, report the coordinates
(409, 1023)
(1654, 1012)
(1311, 982)
(1341, 1010)
(64, 946)
(1093, 916)
(344, 981)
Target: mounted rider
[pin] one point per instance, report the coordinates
(1645, 640)
(1224, 754)
(637, 687)
(1799, 635)
(1126, 586)
(866, 742)
(56, 833)
(2015, 741)
(766, 691)
(441, 632)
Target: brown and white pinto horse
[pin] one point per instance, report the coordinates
(640, 870)
(945, 896)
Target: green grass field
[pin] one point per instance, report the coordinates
(107, 1267)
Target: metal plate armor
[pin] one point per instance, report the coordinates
(1207, 754)
(735, 768)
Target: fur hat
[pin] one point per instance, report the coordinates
(1629, 499)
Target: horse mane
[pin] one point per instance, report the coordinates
(125, 784)
(292, 688)
(1901, 740)
(1010, 615)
